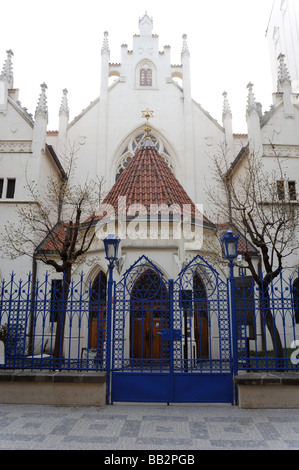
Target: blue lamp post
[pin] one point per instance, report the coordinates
(230, 245)
(111, 244)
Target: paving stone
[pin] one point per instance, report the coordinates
(125, 427)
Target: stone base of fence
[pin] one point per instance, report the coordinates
(53, 388)
(268, 390)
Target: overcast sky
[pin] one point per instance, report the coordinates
(59, 42)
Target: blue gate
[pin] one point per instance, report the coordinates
(171, 339)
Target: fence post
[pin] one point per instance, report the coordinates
(232, 284)
(108, 334)
(170, 397)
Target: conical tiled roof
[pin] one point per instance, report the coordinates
(148, 181)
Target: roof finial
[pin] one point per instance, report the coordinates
(64, 103)
(105, 47)
(283, 73)
(7, 69)
(42, 107)
(147, 114)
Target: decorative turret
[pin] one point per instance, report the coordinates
(188, 120)
(253, 123)
(7, 72)
(6, 81)
(41, 121)
(63, 122)
(283, 73)
(42, 108)
(185, 48)
(284, 85)
(251, 103)
(103, 105)
(105, 46)
(227, 124)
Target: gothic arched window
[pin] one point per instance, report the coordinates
(146, 77)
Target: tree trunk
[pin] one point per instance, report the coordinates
(268, 319)
(59, 337)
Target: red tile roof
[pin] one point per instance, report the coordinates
(148, 180)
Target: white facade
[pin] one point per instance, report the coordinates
(106, 133)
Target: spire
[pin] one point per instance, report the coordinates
(63, 123)
(226, 108)
(42, 107)
(185, 49)
(283, 73)
(253, 124)
(251, 104)
(284, 85)
(105, 46)
(7, 72)
(227, 124)
(64, 109)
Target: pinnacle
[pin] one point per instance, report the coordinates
(64, 103)
(105, 46)
(185, 48)
(283, 73)
(42, 102)
(226, 106)
(251, 104)
(7, 72)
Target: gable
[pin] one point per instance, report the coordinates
(16, 123)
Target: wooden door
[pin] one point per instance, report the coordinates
(201, 333)
(97, 329)
(145, 340)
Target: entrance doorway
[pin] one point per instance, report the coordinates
(148, 317)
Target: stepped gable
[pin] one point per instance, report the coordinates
(148, 181)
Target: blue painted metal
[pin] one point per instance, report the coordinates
(165, 356)
(171, 340)
(30, 315)
(257, 310)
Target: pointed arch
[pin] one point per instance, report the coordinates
(126, 150)
(149, 315)
(201, 317)
(97, 314)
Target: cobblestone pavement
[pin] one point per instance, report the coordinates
(147, 427)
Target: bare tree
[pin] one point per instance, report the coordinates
(57, 227)
(260, 205)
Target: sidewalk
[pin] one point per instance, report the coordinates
(147, 427)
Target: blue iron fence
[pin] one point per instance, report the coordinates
(42, 329)
(267, 323)
(51, 325)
